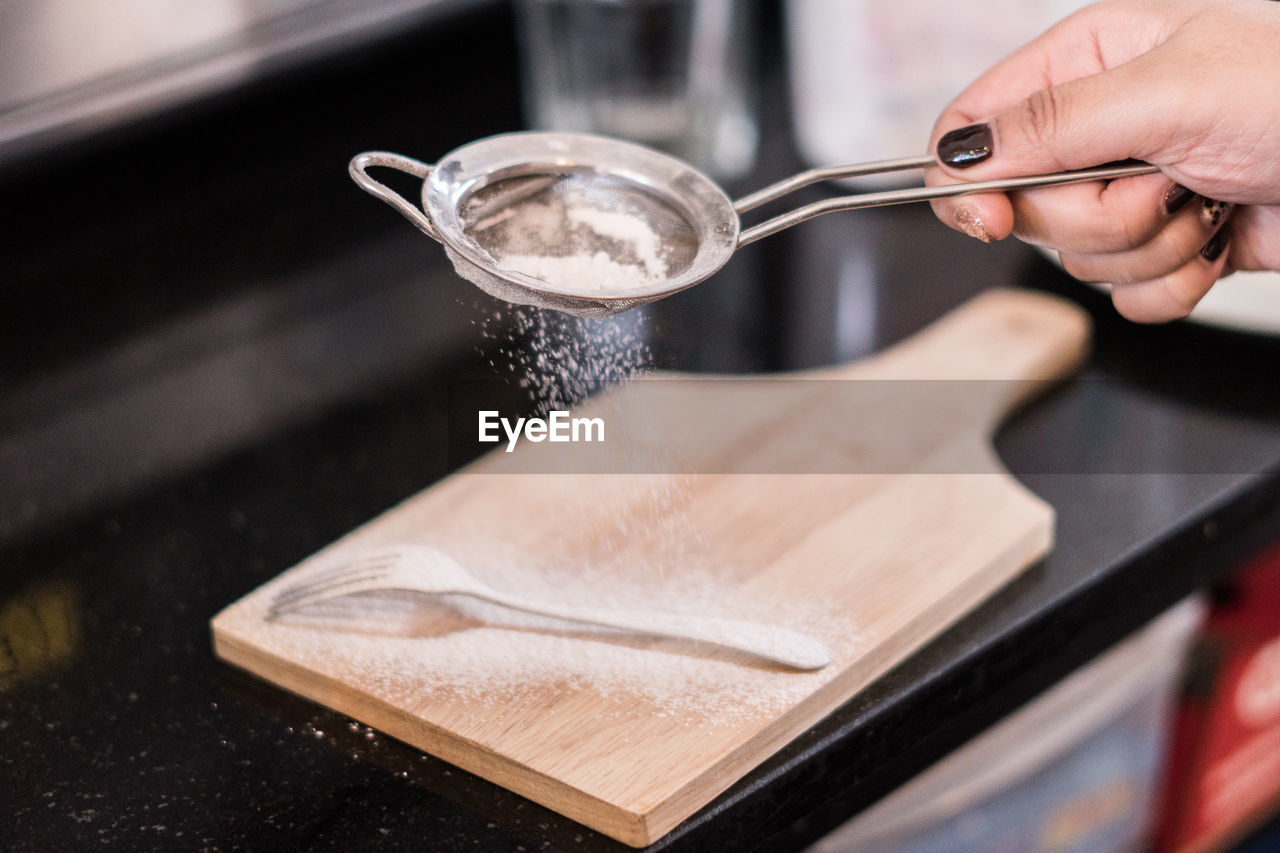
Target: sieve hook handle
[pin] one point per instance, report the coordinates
(877, 199)
(358, 167)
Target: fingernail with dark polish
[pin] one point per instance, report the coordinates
(965, 146)
(1213, 249)
(1176, 198)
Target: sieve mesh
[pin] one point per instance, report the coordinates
(517, 294)
(578, 232)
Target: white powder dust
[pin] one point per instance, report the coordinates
(561, 359)
(416, 651)
(630, 230)
(597, 273)
(577, 242)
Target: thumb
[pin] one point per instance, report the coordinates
(1112, 115)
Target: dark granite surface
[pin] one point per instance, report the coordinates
(217, 356)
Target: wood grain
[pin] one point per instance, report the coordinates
(631, 735)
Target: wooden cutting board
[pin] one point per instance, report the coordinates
(631, 735)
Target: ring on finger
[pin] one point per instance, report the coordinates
(1213, 213)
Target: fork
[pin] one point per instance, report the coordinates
(417, 568)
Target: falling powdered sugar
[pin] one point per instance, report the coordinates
(561, 359)
(491, 658)
(474, 668)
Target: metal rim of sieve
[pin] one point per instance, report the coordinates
(709, 212)
(457, 175)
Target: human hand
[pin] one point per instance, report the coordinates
(1187, 85)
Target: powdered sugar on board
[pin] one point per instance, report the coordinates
(439, 655)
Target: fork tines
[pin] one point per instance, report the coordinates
(322, 582)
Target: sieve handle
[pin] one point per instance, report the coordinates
(878, 199)
(358, 169)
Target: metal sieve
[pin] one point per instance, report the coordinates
(594, 226)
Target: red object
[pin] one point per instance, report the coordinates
(1224, 770)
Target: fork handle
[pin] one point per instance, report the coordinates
(766, 641)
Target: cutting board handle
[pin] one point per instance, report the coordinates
(999, 334)
(1012, 343)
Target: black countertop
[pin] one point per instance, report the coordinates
(217, 356)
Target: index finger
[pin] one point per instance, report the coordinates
(1094, 39)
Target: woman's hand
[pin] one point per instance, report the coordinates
(1187, 85)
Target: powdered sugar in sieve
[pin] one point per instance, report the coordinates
(579, 233)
